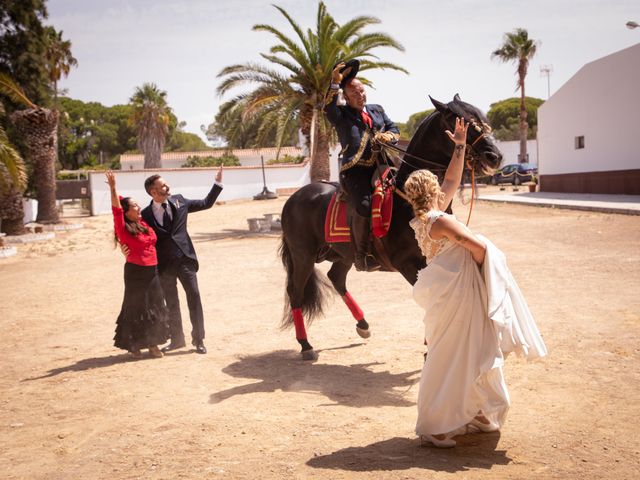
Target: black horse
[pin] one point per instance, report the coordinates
(303, 216)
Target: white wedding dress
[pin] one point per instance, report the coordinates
(473, 318)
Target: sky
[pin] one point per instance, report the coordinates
(181, 45)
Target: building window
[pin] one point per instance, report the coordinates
(579, 142)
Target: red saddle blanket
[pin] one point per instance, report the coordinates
(336, 225)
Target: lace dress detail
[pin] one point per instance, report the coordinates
(422, 226)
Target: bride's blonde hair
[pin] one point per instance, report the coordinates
(423, 190)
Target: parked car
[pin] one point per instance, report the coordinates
(515, 174)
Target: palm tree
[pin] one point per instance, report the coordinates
(150, 117)
(517, 47)
(59, 58)
(242, 128)
(299, 95)
(13, 181)
(38, 127)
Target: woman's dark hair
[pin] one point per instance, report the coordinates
(134, 228)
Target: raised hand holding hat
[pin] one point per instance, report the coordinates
(344, 72)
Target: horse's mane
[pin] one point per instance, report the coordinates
(417, 137)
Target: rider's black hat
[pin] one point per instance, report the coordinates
(354, 65)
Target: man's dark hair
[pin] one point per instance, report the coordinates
(148, 183)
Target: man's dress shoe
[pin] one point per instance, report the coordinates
(200, 348)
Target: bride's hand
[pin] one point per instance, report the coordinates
(459, 137)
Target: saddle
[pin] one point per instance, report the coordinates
(337, 220)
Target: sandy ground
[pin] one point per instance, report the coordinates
(73, 406)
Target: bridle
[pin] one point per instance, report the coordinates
(470, 160)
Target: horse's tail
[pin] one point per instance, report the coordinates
(315, 291)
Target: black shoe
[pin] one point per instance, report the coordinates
(200, 348)
(173, 346)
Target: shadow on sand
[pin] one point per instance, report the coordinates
(284, 370)
(474, 451)
(232, 234)
(98, 362)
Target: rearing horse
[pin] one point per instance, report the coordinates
(303, 216)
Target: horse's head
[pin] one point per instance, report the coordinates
(480, 142)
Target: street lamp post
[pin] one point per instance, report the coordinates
(265, 193)
(545, 71)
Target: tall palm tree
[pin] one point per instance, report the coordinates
(518, 48)
(150, 117)
(59, 58)
(13, 181)
(38, 127)
(297, 91)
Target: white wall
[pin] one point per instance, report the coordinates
(602, 103)
(239, 182)
(137, 164)
(511, 149)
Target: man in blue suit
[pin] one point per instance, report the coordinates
(177, 260)
(359, 125)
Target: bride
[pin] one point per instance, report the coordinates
(475, 313)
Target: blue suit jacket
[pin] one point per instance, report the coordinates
(178, 237)
(354, 135)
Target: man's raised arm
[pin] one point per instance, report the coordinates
(210, 199)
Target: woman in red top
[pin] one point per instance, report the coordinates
(143, 319)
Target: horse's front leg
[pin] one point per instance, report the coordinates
(338, 276)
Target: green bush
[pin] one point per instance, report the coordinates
(228, 160)
(287, 159)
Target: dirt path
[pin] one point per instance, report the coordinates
(72, 406)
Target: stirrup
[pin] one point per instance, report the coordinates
(368, 263)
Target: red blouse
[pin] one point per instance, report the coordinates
(142, 247)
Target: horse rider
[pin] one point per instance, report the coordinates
(359, 126)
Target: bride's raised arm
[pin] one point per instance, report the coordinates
(453, 176)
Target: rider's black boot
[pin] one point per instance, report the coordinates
(364, 261)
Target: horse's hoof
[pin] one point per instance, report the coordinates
(310, 355)
(363, 332)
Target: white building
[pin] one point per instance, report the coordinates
(249, 157)
(511, 151)
(588, 131)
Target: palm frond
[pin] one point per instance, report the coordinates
(12, 90)
(352, 27)
(13, 172)
(296, 28)
(366, 65)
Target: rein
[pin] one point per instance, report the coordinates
(471, 166)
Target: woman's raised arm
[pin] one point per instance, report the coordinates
(111, 181)
(453, 176)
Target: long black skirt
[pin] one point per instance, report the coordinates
(143, 319)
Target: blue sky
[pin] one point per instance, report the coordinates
(182, 45)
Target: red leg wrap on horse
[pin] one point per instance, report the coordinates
(356, 311)
(298, 323)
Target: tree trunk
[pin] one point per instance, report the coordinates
(12, 213)
(152, 148)
(319, 147)
(524, 126)
(39, 128)
(320, 169)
